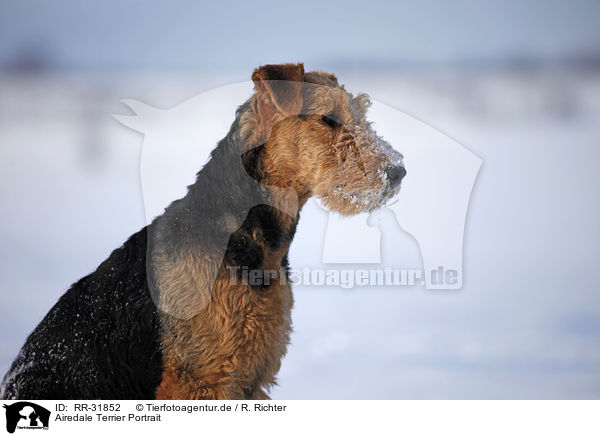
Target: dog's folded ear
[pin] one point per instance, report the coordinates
(278, 89)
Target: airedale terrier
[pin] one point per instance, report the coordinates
(163, 317)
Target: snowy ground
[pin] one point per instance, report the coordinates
(526, 323)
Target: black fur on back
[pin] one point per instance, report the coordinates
(99, 341)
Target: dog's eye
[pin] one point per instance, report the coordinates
(328, 119)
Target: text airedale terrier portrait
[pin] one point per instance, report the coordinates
(169, 315)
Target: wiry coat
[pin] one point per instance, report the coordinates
(163, 317)
(105, 337)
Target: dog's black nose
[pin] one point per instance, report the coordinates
(395, 175)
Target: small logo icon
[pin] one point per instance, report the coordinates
(26, 415)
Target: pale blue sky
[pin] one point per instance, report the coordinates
(125, 34)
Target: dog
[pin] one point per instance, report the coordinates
(169, 315)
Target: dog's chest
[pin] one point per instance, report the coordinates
(238, 342)
(259, 333)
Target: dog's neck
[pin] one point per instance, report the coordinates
(230, 217)
(233, 200)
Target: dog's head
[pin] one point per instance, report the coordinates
(318, 140)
